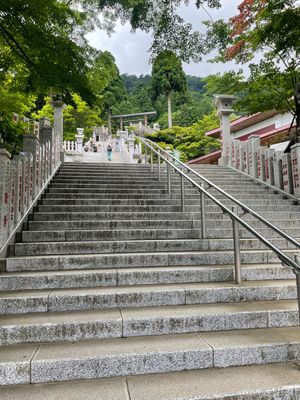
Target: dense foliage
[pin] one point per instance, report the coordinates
(266, 34)
(190, 141)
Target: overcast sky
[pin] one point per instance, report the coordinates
(131, 49)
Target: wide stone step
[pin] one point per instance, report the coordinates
(111, 191)
(111, 208)
(141, 234)
(248, 200)
(222, 228)
(139, 276)
(106, 178)
(101, 180)
(153, 201)
(148, 190)
(109, 185)
(144, 296)
(105, 235)
(268, 382)
(97, 246)
(137, 356)
(96, 324)
(271, 381)
(111, 225)
(105, 201)
(137, 260)
(170, 207)
(98, 216)
(273, 216)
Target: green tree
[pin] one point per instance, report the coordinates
(268, 30)
(167, 78)
(81, 115)
(47, 39)
(190, 141)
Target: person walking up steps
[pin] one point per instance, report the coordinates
(109, 152)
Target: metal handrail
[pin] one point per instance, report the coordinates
(282, 256)
(236, 220)
(247, 209)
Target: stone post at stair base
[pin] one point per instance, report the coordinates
(253, 145)
(31, 145)
(18, 161)
(238, 150)
(58, 126)
(5, 166)
(277, 165)
(295, 160)
(47, 136)
(287, 174)
(269, 169)
(245, 158)
(260, 156)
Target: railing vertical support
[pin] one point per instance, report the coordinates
(169, 178)
(158, 166)
(203, 216)
(146, 155)
(237, 250)
(182, 194)
(297, 273)
(151, 160)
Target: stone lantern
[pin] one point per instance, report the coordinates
(79, 139)
(224, 106)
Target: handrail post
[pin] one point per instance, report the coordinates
(158, 169)
(146, 155)
(169, 178)
(237, 250)
(151, 159)
(203, 217)
(297, 273)
(182, 194)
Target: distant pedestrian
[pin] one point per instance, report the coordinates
(109, 152)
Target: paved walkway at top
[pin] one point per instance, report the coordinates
(101, 155)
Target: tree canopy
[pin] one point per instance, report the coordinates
(265, 33)
(167, 78)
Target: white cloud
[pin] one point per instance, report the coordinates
(131, 49)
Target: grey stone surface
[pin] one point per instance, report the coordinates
(63, 300)
(247, 291)
(180, 274)
(194, 318)
(254, 346)
(57, 279)
(112, 261)
(23, 302)
(15, 364)
(32, 264)
(106, 237)
(103, 389)
(119, 357)
(280, 313)
(272, 382)
(36, 328)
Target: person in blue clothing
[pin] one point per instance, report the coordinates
(109, 152)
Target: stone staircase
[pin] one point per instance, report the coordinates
(109, 279)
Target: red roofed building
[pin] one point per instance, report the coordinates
(271, 126)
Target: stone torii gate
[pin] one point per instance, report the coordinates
(143, 115)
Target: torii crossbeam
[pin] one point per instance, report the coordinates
(145, 115)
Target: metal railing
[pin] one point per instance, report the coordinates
(232, 213)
